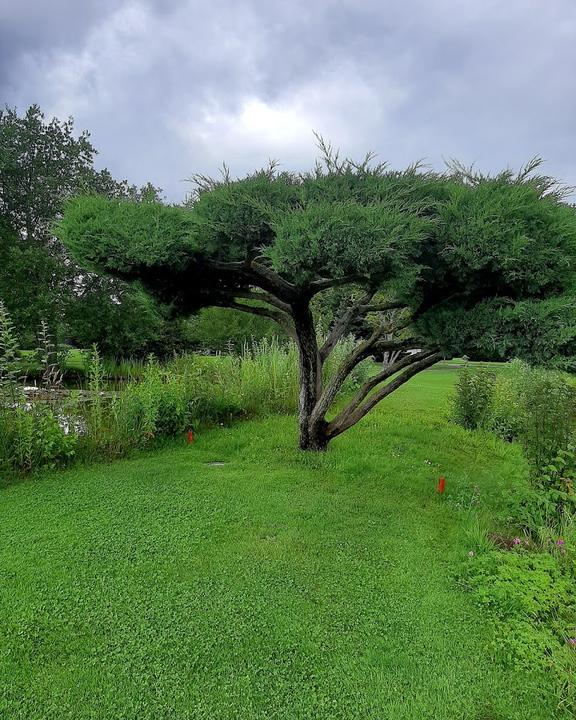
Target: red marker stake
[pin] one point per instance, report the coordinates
(441, 485)
(190, 436)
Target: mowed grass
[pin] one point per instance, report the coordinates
(275, 585)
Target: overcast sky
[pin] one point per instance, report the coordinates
(172, 87)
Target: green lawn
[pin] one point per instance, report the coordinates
(277, 585)
(75, 360)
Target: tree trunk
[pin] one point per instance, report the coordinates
(314, 403)
(312, 434)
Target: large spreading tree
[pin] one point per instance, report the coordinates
(433, 265)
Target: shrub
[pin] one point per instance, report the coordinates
(31, 434)
(474, 398)
(9, 354)
(168, 400)
(212, 387)
(536, 407)
(558, 480)
(52, 446)
(32, 438)
(532, 601)
(549, 413)
(508, 412)
(155, 407)
(94, 418)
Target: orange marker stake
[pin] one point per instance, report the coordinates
(441, 485)
(190, 436)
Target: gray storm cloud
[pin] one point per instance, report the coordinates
(176, 87)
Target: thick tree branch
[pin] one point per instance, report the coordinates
(271, 281)
(350, 416)
(386, 373)
(253, 273)
(359, 353)
(383, 307)
(342, 325)
(354, 312)
(317, 286)
(279, 317)
(265, 297)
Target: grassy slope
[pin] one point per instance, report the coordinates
(279, 585)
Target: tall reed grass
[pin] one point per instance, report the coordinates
(154, 401)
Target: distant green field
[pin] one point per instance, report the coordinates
(241, 578)
(460, 362)
(75, 360)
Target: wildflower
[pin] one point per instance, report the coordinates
(517, 541)
(571, 641)
(471, 553)
(560, 543)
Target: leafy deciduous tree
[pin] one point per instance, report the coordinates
(42, 163)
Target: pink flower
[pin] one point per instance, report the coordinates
(560, 542)
(571, 641)
(517, 541)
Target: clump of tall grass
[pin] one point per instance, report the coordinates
(262, 379)
(155, 401)
(124, 369)
(267, 377)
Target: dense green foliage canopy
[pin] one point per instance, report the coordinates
(486, 265)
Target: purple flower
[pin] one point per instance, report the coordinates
(560, 542)
(517, 541)
(571, 641)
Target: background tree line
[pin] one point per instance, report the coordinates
(43, 162)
